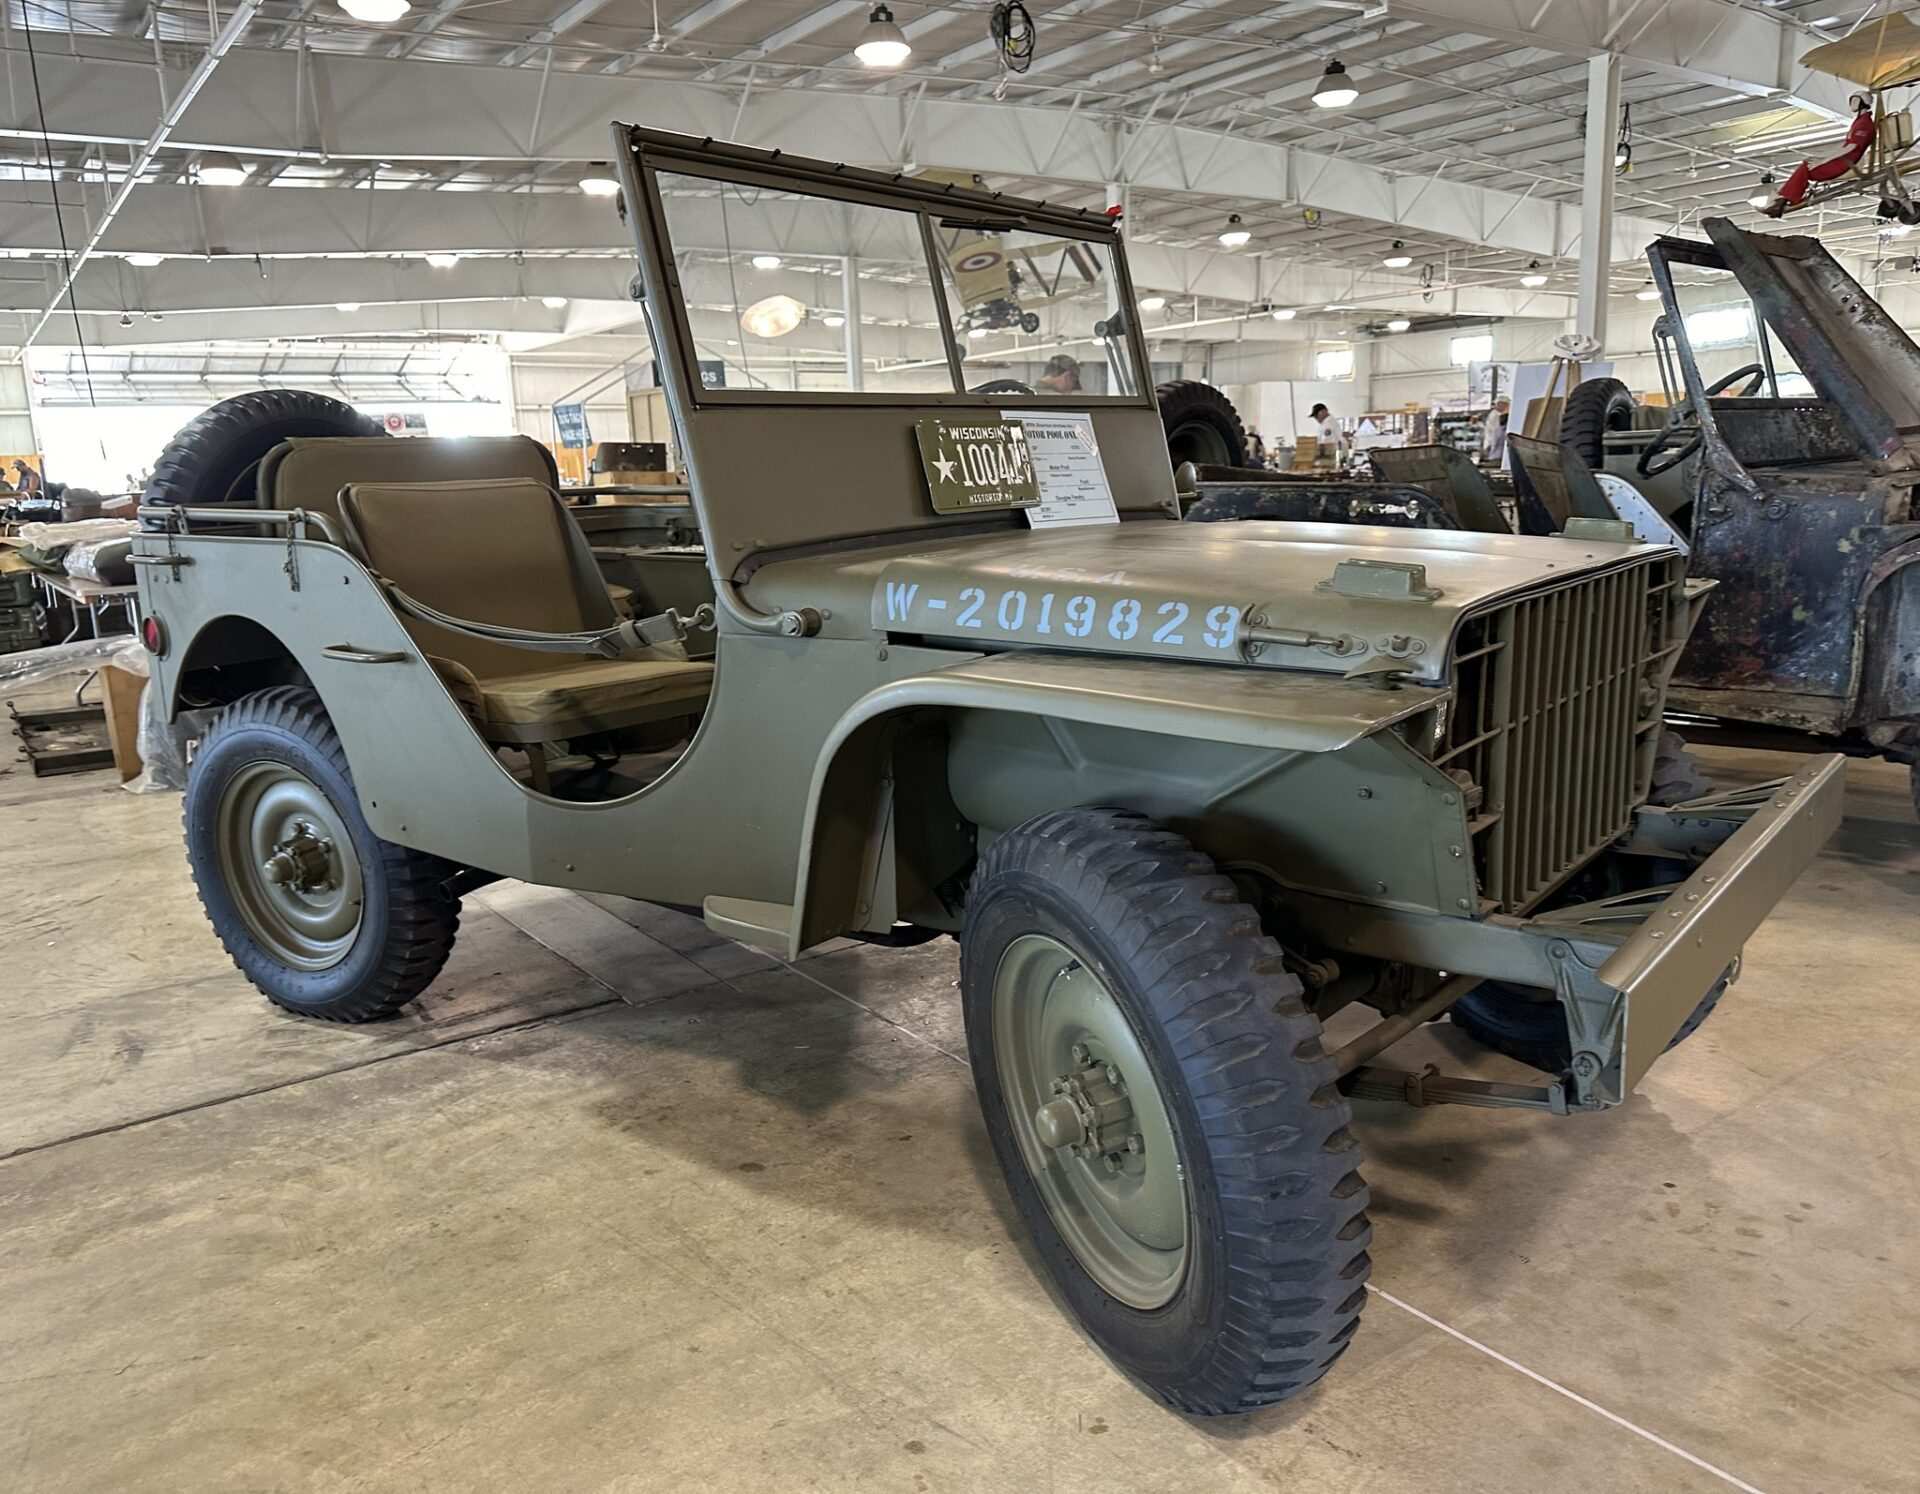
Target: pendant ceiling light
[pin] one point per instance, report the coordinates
(882, 44)
(1336, 89)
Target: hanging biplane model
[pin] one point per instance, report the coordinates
(1001, 274)
(1881, 56)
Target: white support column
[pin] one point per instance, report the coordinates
(850, 307)
(1596, 207)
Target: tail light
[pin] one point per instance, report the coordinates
(153, 633)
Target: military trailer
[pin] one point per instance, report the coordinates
(1181, 792)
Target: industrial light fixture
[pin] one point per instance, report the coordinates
(833, 319)
(1235, 233)
(126, 318)
(976, 331)
(598, 182)
(1534, 278)
(1649, 294)
(443, 260)
(376, 12)
(1153, 303)
(1623, 142)
(766, 261)
(1399, 259)
(1336, 89)
(218, 169)
(882, 44)
(1398, 324)
(1763, 197)
(776, 316)
(143, 261)
(1284, 314)
(553, 303)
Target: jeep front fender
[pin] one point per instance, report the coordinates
(847, 850)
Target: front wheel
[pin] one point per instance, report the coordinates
(1160, 1103)
(324, 917)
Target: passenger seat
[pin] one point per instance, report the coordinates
(505, 553)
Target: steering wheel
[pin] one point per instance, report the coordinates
(1001, 386)
(1656, 459)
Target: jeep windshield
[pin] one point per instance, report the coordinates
(784, 292)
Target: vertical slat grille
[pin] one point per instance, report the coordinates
(1550, 720)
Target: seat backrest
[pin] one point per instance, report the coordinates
(309, 471)
(1446, 474)
(503, 552)
(1564, 483)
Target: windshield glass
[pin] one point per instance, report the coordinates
(788, 291)
(1033, 310)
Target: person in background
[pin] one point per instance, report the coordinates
(25, 479)
(1061, 375)
(1493, 435)
(1256, 450)
(1327, 431)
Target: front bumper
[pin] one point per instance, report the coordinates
(1662, 970)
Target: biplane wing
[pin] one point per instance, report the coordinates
(1884, 53)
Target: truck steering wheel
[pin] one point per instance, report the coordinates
(1656, 460)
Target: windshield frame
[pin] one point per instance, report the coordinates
(899, 193)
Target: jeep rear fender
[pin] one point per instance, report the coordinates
(863, 866)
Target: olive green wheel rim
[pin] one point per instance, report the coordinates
(287, 860)
(1090, 1121)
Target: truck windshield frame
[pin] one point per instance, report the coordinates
(921, 201)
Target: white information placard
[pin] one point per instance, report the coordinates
(1067, 467)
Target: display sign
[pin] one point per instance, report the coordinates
(975, 462)
(1067, 469)
(570, 423)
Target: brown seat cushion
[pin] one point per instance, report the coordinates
(577, 698)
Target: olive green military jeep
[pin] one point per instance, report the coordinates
(1181, 792)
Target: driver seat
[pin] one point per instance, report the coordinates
(506, 554)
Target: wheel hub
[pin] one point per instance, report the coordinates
(1095, 1132)
(303, 861)
(1090, 1114)
(288, 862)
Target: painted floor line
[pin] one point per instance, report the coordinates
(1558, 1389)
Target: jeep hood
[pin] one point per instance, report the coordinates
(1333, 598)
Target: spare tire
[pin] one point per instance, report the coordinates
(215, 457)
(1592, 410)
(1202, 425)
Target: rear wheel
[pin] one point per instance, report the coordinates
(1202, 425)
(1595, 408)
(1165, 1115)
(324, 917)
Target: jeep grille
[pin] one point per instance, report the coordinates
(1558, 697)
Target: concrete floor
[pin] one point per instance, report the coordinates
(620, 1206)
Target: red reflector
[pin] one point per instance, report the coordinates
(154, 635)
